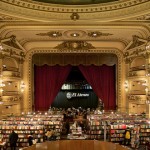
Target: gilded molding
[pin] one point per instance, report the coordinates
(28, 72)
(52, 12)
(74, 8)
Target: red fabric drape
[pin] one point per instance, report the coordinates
(102, 80)
(47, 83)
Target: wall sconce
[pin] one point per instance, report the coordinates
(126, 85)
(22, 86)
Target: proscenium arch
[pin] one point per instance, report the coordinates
(28, 73)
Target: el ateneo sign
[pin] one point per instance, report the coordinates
(70, 95)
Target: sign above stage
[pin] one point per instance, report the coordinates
(70, 95)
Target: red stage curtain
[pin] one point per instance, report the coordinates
(102, 80)
(47, 83)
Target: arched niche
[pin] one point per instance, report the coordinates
(9, 62)
(138, 62)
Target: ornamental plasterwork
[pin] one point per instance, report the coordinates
(8, 18)
(134, 97)
(75, 8)
(135, 49)
(133, 53)
(28, 73)
(13, 99)
(132, 74)
(75, 34)
(48, 12)
(144, 17)
(53, 34)
(11, 48)
(4, 17)
(98, 34)
(74, 46)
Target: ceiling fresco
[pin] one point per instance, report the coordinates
(75, 2)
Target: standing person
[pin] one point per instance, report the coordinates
(127, 136)
(30, 139)
(13, 138)
(53, 137)
(67, 126)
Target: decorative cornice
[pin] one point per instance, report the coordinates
(52, 12)
(74, 8)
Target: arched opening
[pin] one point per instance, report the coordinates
(97, 60)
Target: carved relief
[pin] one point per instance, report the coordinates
(134, 97)
(144, 17)
(98, 34)
(52, 34)
(75, 16)
(74, 46)
(136, 48)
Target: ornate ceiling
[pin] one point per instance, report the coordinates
(38, 25)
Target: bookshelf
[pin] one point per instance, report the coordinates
(30, 124)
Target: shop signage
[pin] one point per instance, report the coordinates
(70, 95)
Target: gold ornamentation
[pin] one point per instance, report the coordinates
(74, 16)
(74, 46)
(134, 97)
(128, 60)
(131, 74)
(146, 55)
(98, 34)
(52, 34)
(58, 8)
(126, 54)
(144, 17)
